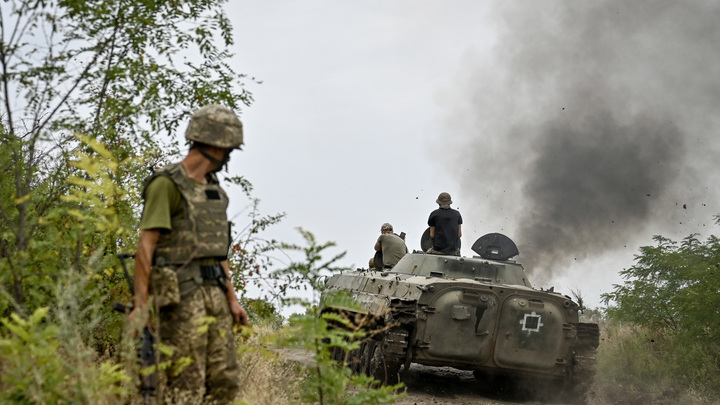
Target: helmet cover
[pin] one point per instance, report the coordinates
(215, 125)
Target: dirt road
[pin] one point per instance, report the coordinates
(445, 386)
(426, 385)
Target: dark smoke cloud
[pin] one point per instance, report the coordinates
(593, 182)
(591, 122)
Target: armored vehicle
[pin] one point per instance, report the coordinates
(477, 313)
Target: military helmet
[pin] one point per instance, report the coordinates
(215, 125)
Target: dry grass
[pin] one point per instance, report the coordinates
(633, 370)
(267, 378)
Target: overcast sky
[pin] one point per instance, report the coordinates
(578, 129)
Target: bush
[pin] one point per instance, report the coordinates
(35, 370)
(636, 365)
(670, 296)
(327, 380)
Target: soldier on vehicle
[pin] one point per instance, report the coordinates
(391, 246)
(445, 228)
(182, 260)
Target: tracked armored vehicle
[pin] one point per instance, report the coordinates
(473, 313)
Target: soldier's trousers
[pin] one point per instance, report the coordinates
(204, 365)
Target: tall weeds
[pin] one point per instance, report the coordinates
(636, 366)
(48, 356)
(267, 376)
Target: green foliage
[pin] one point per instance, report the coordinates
(672, 293)
(328, 382)
(91, 92)
(672, 287)
(34, 373)
(250, 255)
(32, 347)
(641, 367)
(261, 312)
(122, 73)
(96, 193)
(308, 273)
(629, 354)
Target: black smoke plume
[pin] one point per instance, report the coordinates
(591, 124)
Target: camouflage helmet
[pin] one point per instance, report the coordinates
(215, 125)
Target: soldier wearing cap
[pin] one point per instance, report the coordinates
(181, 260)
(391, 246)
(445, 227)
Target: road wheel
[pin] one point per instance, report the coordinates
(367, 351)
(380, 369)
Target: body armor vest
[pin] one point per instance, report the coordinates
(204, 231)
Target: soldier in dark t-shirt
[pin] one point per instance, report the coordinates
(445, 227)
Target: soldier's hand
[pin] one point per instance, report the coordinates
(238, 313)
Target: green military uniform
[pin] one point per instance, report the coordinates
(393, 249)
(187, 278)
(194, 235)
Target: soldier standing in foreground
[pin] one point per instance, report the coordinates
(182, 260)
(445, 227)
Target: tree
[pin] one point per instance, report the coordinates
(673, 290)
(90, 92)
(672, 287)
(124, 73)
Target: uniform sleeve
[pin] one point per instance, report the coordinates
(162, 201)
(431, 219)
(459, 218)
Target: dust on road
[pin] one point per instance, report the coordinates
(446, 385)
(425, 385)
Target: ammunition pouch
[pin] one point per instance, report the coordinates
(164, 286)
(170, 283)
